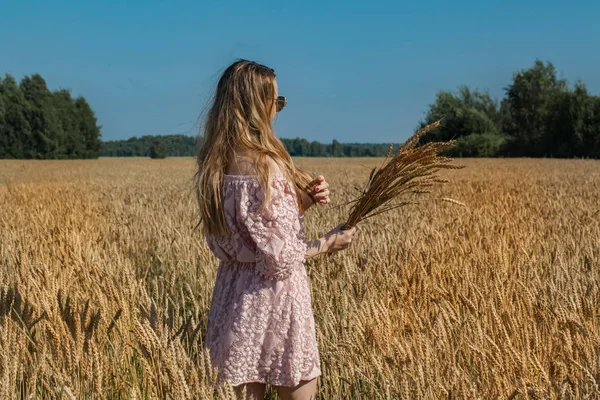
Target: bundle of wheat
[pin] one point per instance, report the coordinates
(413, 170)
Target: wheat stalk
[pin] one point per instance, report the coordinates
(413, 170)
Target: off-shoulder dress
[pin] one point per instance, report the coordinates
(260, 323)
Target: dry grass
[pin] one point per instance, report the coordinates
(494, 301)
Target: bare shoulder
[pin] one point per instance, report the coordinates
(273, 166)
(245, 164)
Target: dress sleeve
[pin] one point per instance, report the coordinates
(276, 230)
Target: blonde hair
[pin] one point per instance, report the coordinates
(239, 119)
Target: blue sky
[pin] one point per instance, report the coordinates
(353, 71)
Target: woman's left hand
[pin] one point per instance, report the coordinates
(320, 190)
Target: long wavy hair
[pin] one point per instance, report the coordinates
(239, 119)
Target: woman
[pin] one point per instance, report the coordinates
(252, 198)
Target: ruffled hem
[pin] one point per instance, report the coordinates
(259, 379)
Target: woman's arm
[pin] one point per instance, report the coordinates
(315, 247)
(335, 240)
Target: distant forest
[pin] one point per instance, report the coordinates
(540, 115)
(182, 145)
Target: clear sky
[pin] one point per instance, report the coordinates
(352, 70)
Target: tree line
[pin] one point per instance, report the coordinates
(540, 115)
(183, 145)
(150, 146)
(37, 123)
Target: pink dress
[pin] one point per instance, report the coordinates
(260, 323)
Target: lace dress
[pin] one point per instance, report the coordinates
(260, 323)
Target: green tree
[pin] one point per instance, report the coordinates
(157, 149)
(586, 133)
(317, 149)
(88, 128)
(72, 141)
(533, 94)
(563, 136)
(16, 131)
(299, 147)
(4, 139)
(590, 128)
(337, 149)
(45, 127)
(462, 113)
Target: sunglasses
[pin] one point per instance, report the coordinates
(281, 102)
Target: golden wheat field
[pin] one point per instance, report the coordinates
(105, 288)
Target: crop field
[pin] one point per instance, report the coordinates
(105, 288)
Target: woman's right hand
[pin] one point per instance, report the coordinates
(338, 239)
